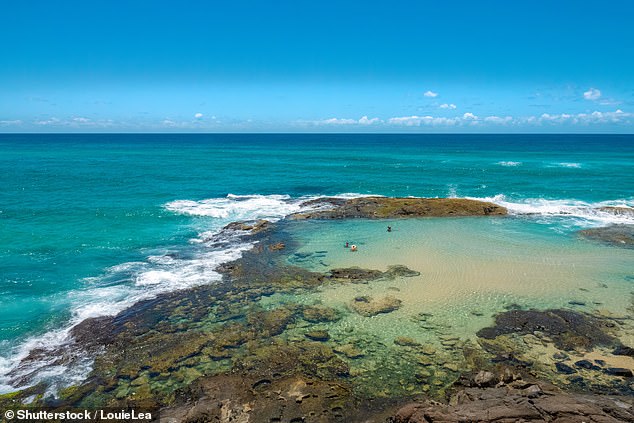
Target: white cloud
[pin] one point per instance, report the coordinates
(51, 121)
(499, 120)
(447, 106)
(338, 121)
(81, 120)
(592, 94)
(430, 94)
(470, 116)
(365, 121)
(198, 115)
(16, 122)
(423, 120)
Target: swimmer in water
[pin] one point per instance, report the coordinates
(353, 247)
(389, 229)
(346, 246)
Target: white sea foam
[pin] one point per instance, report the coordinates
(581, 213)
(567, 164)
(510, 164)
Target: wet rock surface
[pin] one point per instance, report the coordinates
(386, 207)
(615, 235)
(518, 402)
(568, 329)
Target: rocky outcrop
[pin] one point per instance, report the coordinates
(567, 329)
(368, 306)
(618, 211)
(518, 402)
(616, 235)
(386, 207)
(360, 275)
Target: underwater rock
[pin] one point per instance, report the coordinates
(405, 341)
(368, 306)
(386, 207)
(564, 368)
(586, 364)
(277, 246)
(359, 275)
(320, 314)
(355, 274)
(398, 270)
(618, 371)
(623, 350)
(615, 235)
(349, 351)
(318, 335)
(568, 329)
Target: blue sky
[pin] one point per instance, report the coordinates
(306, 66)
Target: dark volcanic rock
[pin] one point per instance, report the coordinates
(618, 371)
(616, 235)
(564, 368)
(586, 364)
(568, 329)
(385, 207)
(623, 350)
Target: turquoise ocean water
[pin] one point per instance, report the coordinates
(89, 224)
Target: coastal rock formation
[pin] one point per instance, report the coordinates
(359, 275)
(386, 207)
(616, 235)
(567, 329)
(618, 211)
(519, 402)
(368, 306)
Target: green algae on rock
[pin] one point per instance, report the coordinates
(388, 207)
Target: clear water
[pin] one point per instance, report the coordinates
(91, 223)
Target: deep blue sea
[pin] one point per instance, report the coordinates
(89, 224)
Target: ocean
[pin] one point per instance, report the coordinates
(90, 224)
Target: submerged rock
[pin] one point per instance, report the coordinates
(349, 351)
(355, 274)
(616, 235)
(405, 341)
(368, 306)
(568, 329)
(318, 335)
(319, 314)
(386, 207)
(360, 275)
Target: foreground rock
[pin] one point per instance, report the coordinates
(616, 235)
(385, 207)
(368, 306)
(519, 402)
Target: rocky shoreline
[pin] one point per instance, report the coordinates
(218, 353)
(387, 207)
